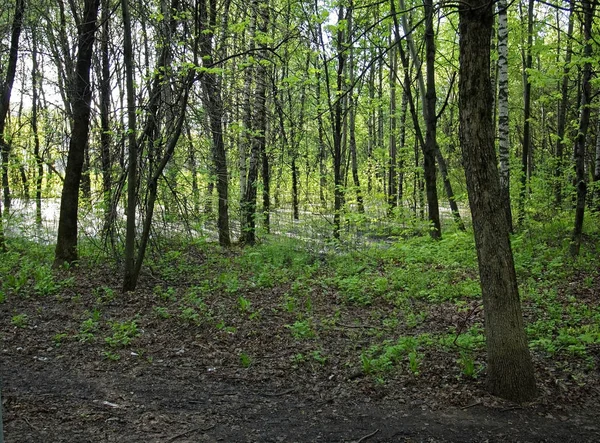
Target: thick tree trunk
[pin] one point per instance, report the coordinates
(503, 122)
(510, 370)
(66, 243)
(584, 121)
(258, 139)
(215, 111)
(214, 105)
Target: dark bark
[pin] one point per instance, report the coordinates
(510, 370)
(66, 243)
(129, 277)
(337, 120)
(392, 194)
(214, 105)
(525, 154)
(105, 137)
(7, 84)
(562, 111)
(258, 140)
(266, 177)
(584, 122)
(35, 79)
(429, 109)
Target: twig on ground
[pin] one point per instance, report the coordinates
(30, 425)
(471, 405)
(279, 394)
(367, 436)
(189, 431)
(358, 326)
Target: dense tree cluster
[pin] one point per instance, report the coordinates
(351, 109)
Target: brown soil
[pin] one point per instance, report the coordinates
(183, 381)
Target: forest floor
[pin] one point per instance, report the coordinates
(236, 361)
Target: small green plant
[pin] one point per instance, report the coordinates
(289, 303)
(20, 320)
(222, 326)
(414, 362)
(298, 359)
(45, 284)
(112, 356)
(301, 330)
(168, 294)
(87, 331)
(245, 360)
(318, 357)
(190, 315)
(243, 304)
(104, 294)
(58, 339)
(161, 312)
(123, 333)
(466, 363)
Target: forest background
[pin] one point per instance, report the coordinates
(325, 136)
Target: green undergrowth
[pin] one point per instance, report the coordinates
(406, 298)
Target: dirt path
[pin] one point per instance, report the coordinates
(46, 402)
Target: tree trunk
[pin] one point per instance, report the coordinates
(584, 121)
(130, 278)
(258, 139)
(105, 138)
(66, 243)
(596, 196)
(35, 80)
(392, 194)
(562, 111)
(510, 370)
(7, 84)
(428, 95)
(525, 166)
(429, 113)
(352, 116)
(246, 138)
(503, 122)
(214, 105)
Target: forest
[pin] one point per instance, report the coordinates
(292, 220)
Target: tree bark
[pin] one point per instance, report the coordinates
(214, 105)
(66, 243)
(510, 372)
(503, 121)
(35, 86)
(584, 121)
(105, 137)
(7, 85)
(392, 194)
(525, 165)
(130, 279)
(562, 111)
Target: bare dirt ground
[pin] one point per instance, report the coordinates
(183, 382)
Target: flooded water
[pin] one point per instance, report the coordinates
(314, 228)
